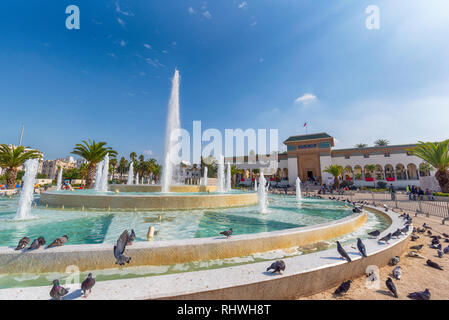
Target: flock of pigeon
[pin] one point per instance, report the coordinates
(126, 238)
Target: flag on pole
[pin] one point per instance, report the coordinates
(305, 124)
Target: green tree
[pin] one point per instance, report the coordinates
(12, 158)
(361, 145)
(133, 156)
(336, 171)
(93, 152)
(123, 167)
(381, 143)
(372, 169)
(437, 155)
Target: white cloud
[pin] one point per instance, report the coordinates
(125, 13)
(148, 152)
(306, 98)
(164, 51)
(173, 43)
(253, 24)
(143, 74)
(122, 43)
(243, 5)
(112, 55)
(191, 10)
(207, 14)
(155, 63)
(146, 45)
(121, 22)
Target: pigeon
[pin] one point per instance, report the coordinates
(342, 252)
(446, 240)
(440, 253)
(418, 247)
(432, 264)
(23, 243)
(356, 210)
(343, 288)
(435, 241)
(87, 284)
(426, 226)
(386, 207)
(446, 250)
(58, 242)
(434, 246)
(57, 292)
(429, 232)
(415, 254)
(397, 272)
(277, 266)
(374, 233)
(386, 238)
(419, 230)
(405, 229)
(394, 261)
(420, 295)
(119, 249)
(391, 287)
(397, 233)
(445, 235)
(131, 237)
(227, 233)
(361, 247)
(37, 243)
(414, 238)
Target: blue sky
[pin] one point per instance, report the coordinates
(243, 64)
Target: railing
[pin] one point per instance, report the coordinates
(422, 205)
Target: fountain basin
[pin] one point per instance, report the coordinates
(158, 188)
(99, 256)
(148, 201)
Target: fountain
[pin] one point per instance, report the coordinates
(298, 189)
(130, 174)
(104, 175)
(137, 178)
(220, 174)
(228, 178)
(205, 177)
(173, 123)
(26, 195)
(98, 174)
(59, 181)
(262, 194)
(255, 184)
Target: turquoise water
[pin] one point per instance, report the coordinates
(85, 227)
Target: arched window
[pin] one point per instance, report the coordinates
(358, 173)
(400, 172)
(285, 173)
(389, 171)
(412, 171)
(348, 173)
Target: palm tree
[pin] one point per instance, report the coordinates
(123, 167)
(133, 156)
(112, 166)
(12, 158)
(93, 152)
(381, 143)
(361, 145)
(437, 155)
(336, 171)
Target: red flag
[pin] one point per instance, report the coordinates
(305, 124)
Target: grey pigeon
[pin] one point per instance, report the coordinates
(58, 242)
(343, 288)
(356, 210)
(405, 229)
(277, 266)
(432, 264)
(23, 243)
(57, 292)
(445, 235)
(374, 233)
(227, 233)
(37, 243)
(440, 253)
(420, 295)
(397, 233)
(131, 237)
(87, 284)
(342, 252)
(391, 287)
(394, 261)
(119, 249)
(386, 238)
(414, 238)
(397, 272)
(361, 247)
(418, 247)
(446, 250)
